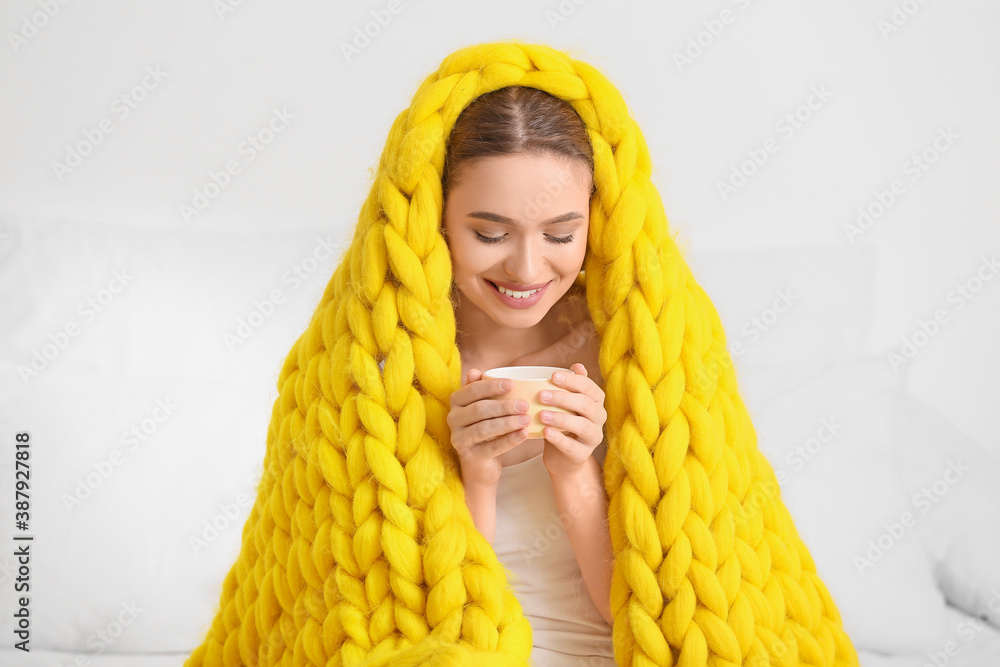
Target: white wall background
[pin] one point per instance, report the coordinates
(892, 87)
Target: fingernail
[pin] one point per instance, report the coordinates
(505, 385)
(521, 405)
(523, 419)
(557, 377)
(546, 395)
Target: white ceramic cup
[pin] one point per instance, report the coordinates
(528, 382)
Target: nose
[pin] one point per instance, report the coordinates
(523, 262)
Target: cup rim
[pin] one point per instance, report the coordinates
(518, 372)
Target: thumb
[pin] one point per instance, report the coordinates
(473, 375)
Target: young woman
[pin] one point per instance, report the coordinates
(354, 552)
(517, 186)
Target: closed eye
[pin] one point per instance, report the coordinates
(498, 239)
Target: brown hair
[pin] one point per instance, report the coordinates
(516, 119)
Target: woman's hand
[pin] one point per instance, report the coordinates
(483, 428)
(566, 453)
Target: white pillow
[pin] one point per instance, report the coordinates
(161, 511)
(830, 443)
(955, 485)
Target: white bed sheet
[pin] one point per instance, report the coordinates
(981, 650)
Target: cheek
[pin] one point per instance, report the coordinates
(463, 270)
(575, 259)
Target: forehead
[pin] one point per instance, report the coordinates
(528, 182)
(518, 164)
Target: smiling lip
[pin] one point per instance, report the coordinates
(519, 304)
(519, 288)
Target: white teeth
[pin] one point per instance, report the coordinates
(516, 295)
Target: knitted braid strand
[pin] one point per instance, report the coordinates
(360, 549)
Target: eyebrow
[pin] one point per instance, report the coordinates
(503, 220)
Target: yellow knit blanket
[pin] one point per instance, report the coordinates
(360, 548)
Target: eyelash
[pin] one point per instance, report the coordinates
(491, 239)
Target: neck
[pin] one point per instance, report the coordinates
(480, 337)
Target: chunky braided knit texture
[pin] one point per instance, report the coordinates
(360, 549)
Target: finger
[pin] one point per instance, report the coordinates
(560, 440)
(573, 396)
(484, 412)
(583, 428)
(504, 443)
(493, 431)
(479, 389)
(473, 375)
(564, 442)
(575, 403)
(567, 400)
(579, 383)
(592, 412)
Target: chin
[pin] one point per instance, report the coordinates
(517, 320)
(520, 320)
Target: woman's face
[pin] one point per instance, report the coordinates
(520, 221)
